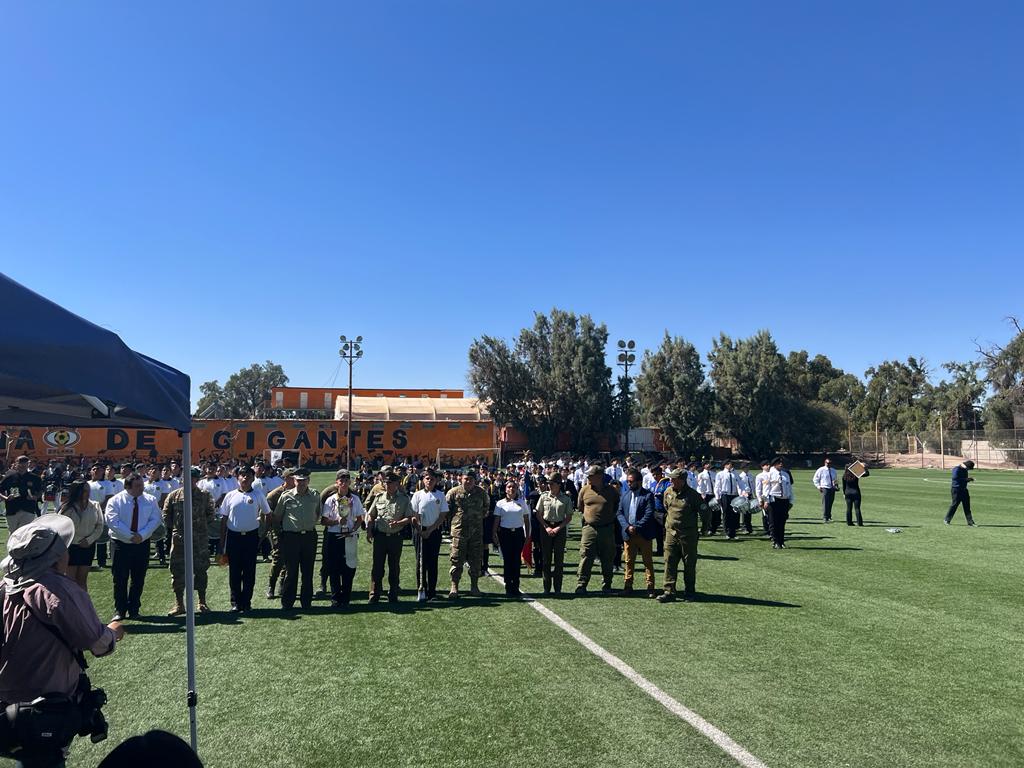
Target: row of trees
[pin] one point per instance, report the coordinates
(553, 378)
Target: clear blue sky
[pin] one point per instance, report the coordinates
(230, 182)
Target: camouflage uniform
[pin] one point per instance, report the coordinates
(467, 512)
(203, 521)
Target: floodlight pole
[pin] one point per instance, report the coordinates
(190, 606)
(625, 359)
(350, 352)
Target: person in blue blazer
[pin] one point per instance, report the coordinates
(639, 529)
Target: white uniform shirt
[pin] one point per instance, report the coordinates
(512, 514)
(212, 485)
(429, 506)
(175, 483)
(706, 483)
(579, 476)
(97, 491)
(778, 485)
(824, 478)
(348, 515)
(118, 516)
(745, 483)
(243, 509)
(761, 486)
(113, 487)
(727, 484)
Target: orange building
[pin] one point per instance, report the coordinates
(323, 398)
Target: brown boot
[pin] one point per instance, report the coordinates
(179, 604)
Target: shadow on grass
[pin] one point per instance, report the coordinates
(830, 549)
(715, 557)
(707, 597)
(992, 525)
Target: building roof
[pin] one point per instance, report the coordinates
(412, 409)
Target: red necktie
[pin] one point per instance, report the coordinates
(135, 515)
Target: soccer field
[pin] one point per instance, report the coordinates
(852, 647)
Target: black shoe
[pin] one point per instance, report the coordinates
(946, 522)
(374, 598)
(581, 590)
(652, 593)
(666, 597)
(392, 598)
(234, 609)
(689, 597)
(133, 614)
(972, 524)
(117, 617)
(608, 592)
(775, 546)
(270, 593)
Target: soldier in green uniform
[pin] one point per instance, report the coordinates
(274, 532)
(203, 521)
(387, 515)
(684, 508)
(554, 513)
(468, 505)
(598, 503)
(299, 513)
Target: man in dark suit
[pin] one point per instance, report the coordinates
(639, 528)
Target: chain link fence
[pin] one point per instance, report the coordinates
(992, 449)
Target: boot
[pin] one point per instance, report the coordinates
(474, 590)
(203, 607)
(453, 593)
(179, 603)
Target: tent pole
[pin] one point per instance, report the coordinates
(190, 606)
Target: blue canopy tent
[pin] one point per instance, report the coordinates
(57, 369)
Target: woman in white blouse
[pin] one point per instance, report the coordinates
(511, 529)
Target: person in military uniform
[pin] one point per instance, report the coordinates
(468, 505)
(386, 516)
(553, 513)
(684, 509)
(274, 533)
(204, 520)
(299, 513)
(598, 502)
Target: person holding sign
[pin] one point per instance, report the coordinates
(851, 490)
(342, 514)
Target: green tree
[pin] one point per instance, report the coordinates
(957, 398)
(1004, 373)
(211, 402)
(752, 391)
(553, 379)
(674, 395)
(245, 393)
(896, 397)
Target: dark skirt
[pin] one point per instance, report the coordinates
(81, 555)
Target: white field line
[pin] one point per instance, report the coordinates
(706, 729)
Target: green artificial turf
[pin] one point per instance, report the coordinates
(852, 647)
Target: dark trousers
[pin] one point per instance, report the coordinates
(161, 551)
(660, 538)
(828, 497)
(339, 572)
(386, 546)
(325, 565)
(747, 525)
(128, 565)
(511, 541)
(101, 554)
(732, 517)
(242, 549)
(298, 553)
(853, 500)
(778, 514)
(428, 551)
(486, 556)
(709, 520)
(552, 558)
(618, 546)
(960, 497)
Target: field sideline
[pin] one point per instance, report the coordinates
(853, 647)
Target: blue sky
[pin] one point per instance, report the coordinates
(230, 182)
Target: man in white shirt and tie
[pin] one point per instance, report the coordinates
(131, 515)
(727, 488)
(825, 481)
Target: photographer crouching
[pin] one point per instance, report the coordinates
(48, 622)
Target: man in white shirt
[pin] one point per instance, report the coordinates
(825, 481)
(98, 493)
(761, 494)
(158, 489)
(214, 486)
(747, 492)
(779, 492)
(706, 488)
(341, 515)
(432, 508)
(240, 513)
(131, 515)
(727, 488)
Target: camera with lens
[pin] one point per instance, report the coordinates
(37, 732)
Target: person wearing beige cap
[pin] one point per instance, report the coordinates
(38, 598)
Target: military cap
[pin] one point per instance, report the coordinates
(469, 472)
(595, 469)
(301, 474)
(196, 472)
(554, 477)
(676, 474)
(342, 473)
(289, 472)
(245, 470)
(390, 477)
(21, 459)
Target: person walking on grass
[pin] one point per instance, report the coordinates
(960, 493)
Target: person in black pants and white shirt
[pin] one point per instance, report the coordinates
(131, 515)
(727, 488)
(432, 508)
(240, 513)
(825, 481)
(779, 494)
(511, 529)
(342, 515)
